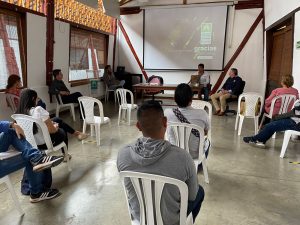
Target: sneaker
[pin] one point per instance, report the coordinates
(252, 141)
(66, 157)
(82, 136)
(249, 140)
(46, 195)
(47, 162)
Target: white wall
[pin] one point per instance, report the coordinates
(276, 9)
(36, 59)
(296, 57)
(249, 63)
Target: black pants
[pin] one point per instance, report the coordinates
(66, 127)
(194, 206)
(72, 98)
(56, 138)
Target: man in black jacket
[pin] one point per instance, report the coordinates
(231, 88)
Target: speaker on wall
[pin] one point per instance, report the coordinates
(111, 8)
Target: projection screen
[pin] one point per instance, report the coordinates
(181, 38)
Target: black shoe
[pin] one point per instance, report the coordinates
(46, 195)
(252, 141)
(47, 162)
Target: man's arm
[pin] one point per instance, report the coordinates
(237, 87)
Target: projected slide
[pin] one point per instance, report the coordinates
(181, 38)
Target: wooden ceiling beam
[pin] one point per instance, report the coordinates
(249, 4)
(123, 2)
(130, 10)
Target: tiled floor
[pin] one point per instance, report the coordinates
(247, 185)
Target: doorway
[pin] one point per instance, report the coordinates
(280, 54)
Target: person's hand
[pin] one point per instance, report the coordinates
(19, 130)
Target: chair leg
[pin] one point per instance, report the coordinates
(205, 172)
(57, 111)
(286, 139)
(261, 122)
(120, 112)
(13, 194)
(274, 135)
(129, 115)
(73, 112)
(256, 125)
(241, 124)
(236, 121)
(97, 129)
(68, 160)
(92, 127)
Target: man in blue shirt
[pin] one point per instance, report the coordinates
(230, 89)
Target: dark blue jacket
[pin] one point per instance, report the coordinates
(233, 85)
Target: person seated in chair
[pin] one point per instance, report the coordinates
(38, 164)
(203, 79)
(110, 79)
(287, 82)
(58, 87)
(230, 89)
(186, 114)
(152, 154)
(283, 122)
(14, 86)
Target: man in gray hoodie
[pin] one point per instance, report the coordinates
(152, 154)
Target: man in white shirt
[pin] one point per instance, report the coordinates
(204, 80)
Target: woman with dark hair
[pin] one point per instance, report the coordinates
(57, 128)
(187, 114)
(14, 86)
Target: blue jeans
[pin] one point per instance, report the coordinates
(29, 155)
(279, 125)
(205, 92)
(194, 206)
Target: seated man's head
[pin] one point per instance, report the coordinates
(151, 120)
(183, 95)
(233, 72)
(107, 69)
(57, 74)
(201, 68)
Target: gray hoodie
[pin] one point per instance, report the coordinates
(161, 158)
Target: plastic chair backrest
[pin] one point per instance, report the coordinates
(149, 189)
(26, 123)
(121, 95)
(198, 104)
(252, 100)
(182, 133)
(87, 108)
(11, 100)
(285, 100)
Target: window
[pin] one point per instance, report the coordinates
(11, 47)
(87, 54)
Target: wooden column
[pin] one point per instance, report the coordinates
(49, 41)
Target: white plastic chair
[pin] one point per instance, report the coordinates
(182, 133)
(26, 123)
(287, 137)
(198, 104)
(10, 98)
(125, 107)
(286, 101)
(250, 107)
(7, 181)
(60, 105)
(89, 118)
(149, 197)
(107, 90)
